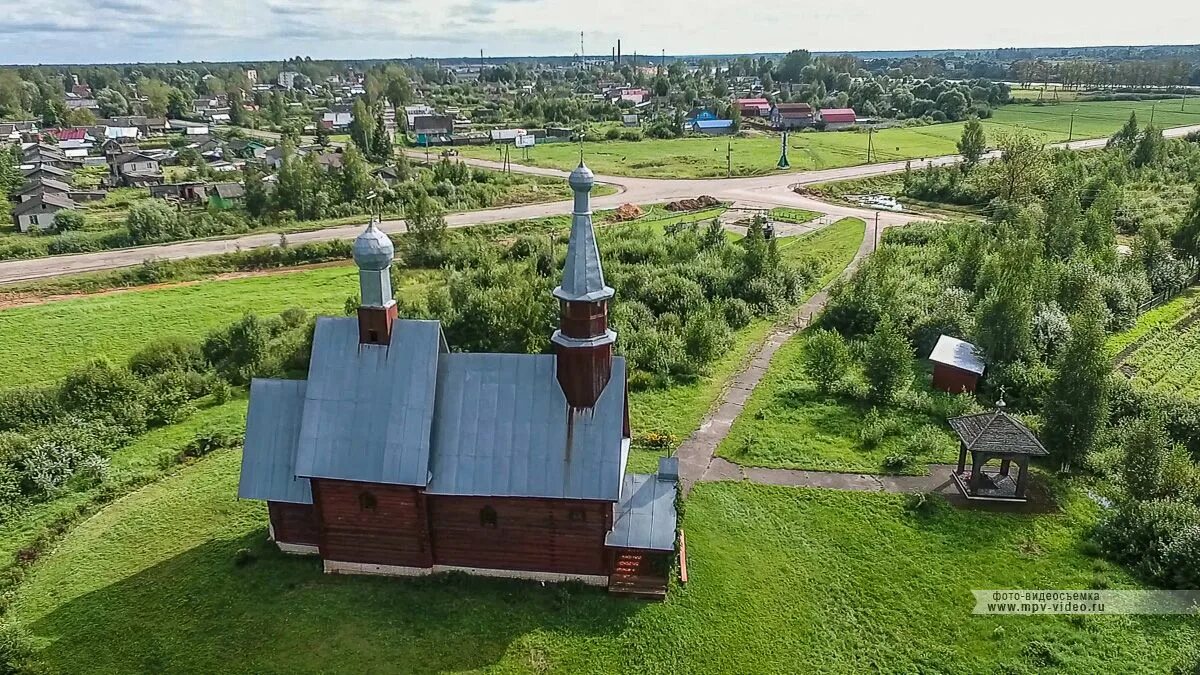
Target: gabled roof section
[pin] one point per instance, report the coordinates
(583, 276)
(269, 452)
(368, 409)
(645, 517)
(44, 202)
(954, 352)
(503, 429)
(998, 432)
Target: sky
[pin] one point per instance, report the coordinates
(117, 31)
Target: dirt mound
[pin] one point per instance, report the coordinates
(701, 202)
(626, 212)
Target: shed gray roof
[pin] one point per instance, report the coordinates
(998, 432)
(43, 185)
(230, 190)
(368, 409)
(45, 202)
(269, 452)
(583, 276)
(954, 352)
(503, 428)
(645, 517)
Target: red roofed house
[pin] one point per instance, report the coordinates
(754, 107)
(838, 118)
(68, 134)
(792, 115)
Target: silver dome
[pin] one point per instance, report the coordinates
(581, 179)
(373, 250)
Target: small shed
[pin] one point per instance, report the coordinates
(957, 365)
(989, 436)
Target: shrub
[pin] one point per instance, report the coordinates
(875, 427)
(898, 462)
(738, 313)
(27, 407)
(706, 337)
(212, 440)
(99, 390)
(926, 441)
(826, 358)
(888, 361)
(1152, 537)
(165, 354)
(168, 397)
(16, 650)
(67, 221)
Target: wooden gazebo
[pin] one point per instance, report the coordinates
(988, 436)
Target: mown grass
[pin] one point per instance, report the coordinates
(758, 154)
(45, 341)
(788, 424)
(781, 580)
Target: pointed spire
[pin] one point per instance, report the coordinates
(583, 276)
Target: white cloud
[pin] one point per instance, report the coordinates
(222, 30)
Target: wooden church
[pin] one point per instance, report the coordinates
(397, 456)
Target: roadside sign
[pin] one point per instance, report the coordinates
(525, 141)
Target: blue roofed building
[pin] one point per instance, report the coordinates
(712, 127)
(397, 456)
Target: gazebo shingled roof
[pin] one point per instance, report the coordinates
(996, 432)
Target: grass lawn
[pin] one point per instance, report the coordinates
(787, 215)
(45, 341)
(831, 247)
(840, 582)
(788, 424)
(758, 154)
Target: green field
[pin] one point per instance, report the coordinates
(788, 424)
(45, 341)
(781, 581)
(758, 154)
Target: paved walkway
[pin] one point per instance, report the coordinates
(697, 460)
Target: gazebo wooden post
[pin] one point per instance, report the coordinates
(1004, 464)
(978, 459)
(962, 457)
(1023, 477)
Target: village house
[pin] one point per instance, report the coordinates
(41, 186)
(118, 146)
(225, 196)
(399, 457)
(46, 171)
(387, 174)
(135, 162)
(40, 212)
(838, 118)
(792, 116)
(753, 107)
(190, 191)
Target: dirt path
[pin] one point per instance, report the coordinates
(697, 460)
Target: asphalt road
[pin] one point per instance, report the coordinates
(758, 191)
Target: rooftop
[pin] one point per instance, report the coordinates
(954, 352)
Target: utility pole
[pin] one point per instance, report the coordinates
(875, 244)
(582, 54)
(1071, 129)
(1152, 107)
(870, 143)
(729, 159)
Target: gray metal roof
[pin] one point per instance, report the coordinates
(373, 250)
(645, 517)
(503, 428)
(954, 352)
(269, 452)
(368, 409)
(583, 276)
